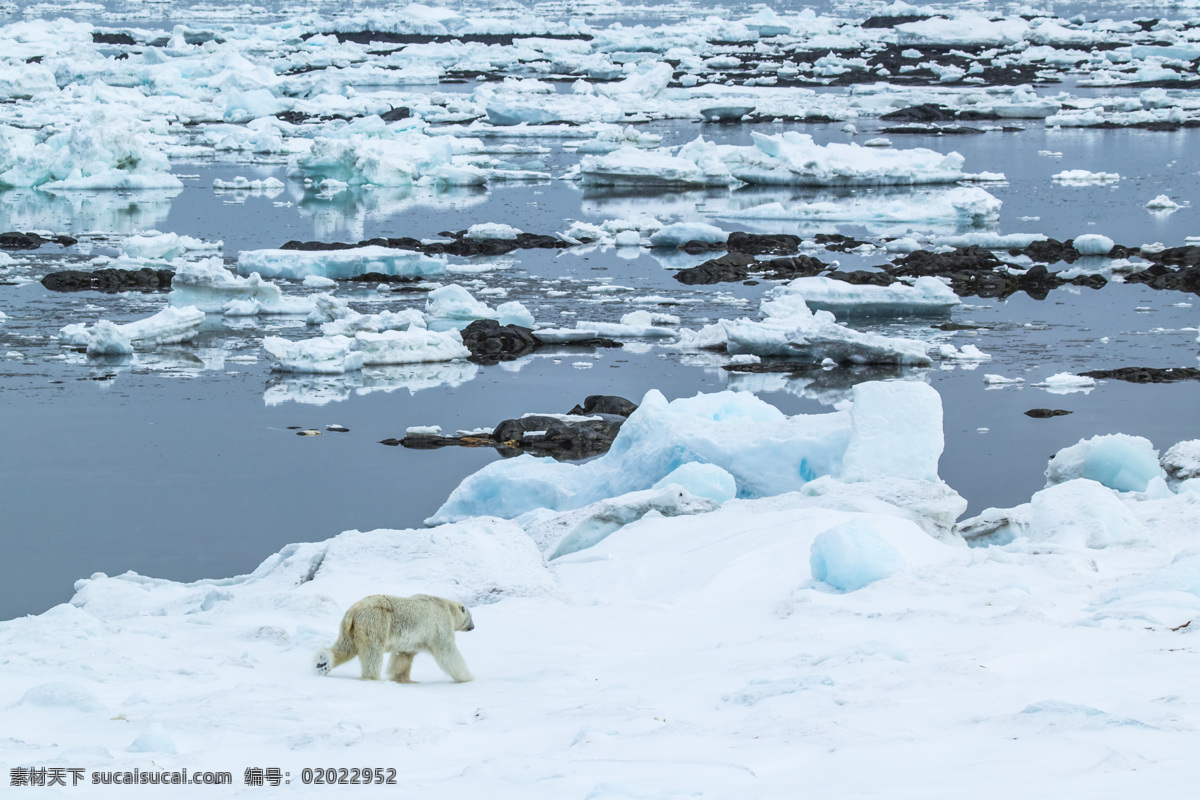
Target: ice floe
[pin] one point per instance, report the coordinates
(339, 264)
(169, 326)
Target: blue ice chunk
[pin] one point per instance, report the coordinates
(852, 555)
(702, 480)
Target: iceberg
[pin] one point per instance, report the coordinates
(1119, 461)
(766, 452)
(338, 264)
(105, 151)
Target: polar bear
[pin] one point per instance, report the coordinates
(401, 626)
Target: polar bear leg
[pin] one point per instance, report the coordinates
(372, 662)
(451, 662)
(400, 667)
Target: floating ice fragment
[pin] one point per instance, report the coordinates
(1067, 382)
(1093, 244)
(169, 326)
(1082, 177)
(1163, 203)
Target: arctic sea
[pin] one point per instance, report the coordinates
(186, 464)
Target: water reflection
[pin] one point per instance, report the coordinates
(829, 387)
(320, 390)
(107, 211)
(345, 214)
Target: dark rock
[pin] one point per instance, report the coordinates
(932, 130)
(1188, 256)
(922, 262)
(552, 436)
(379, 277)
(837, 242)
(294, 117)
(112, 38)
(925, 112)
(696, 247)
(779, 244)
(15, 240)
(109, 280)
(884, 21)
(458, 245)
(316, 246)
(732, 266)
(590, 435)
(1046, 413)
(1159, 276)
(863, 277)
(769, 366)
(395, 114)
(489, 341)
(789, 267)
(1146, 374)
(1050, 251)
(604, 404)
(1037, 282)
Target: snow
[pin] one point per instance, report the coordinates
(338, 264)
(1118, 461)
